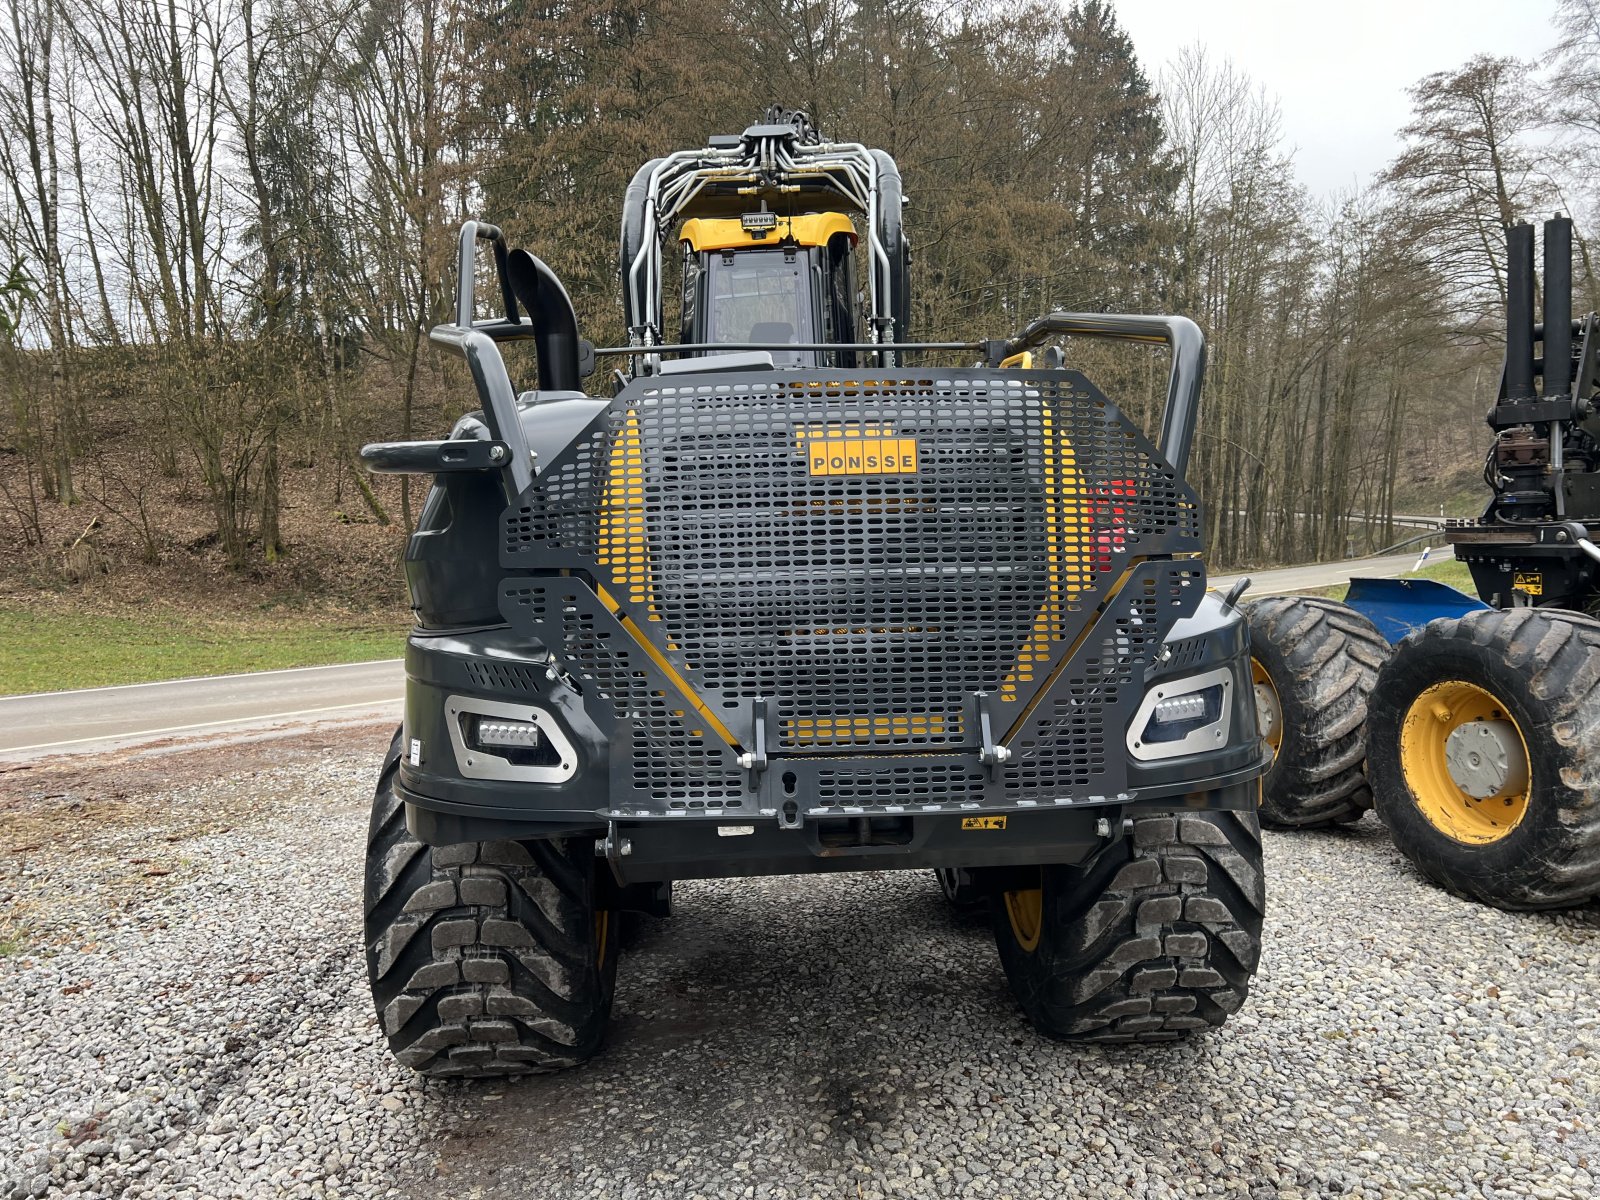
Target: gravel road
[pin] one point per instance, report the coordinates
(185, 1014)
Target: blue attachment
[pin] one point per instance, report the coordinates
(1397, 606)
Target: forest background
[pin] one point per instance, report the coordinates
(227, 225)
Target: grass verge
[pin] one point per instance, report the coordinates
(1446, 571)
(49, 648)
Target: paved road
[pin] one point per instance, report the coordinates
(1319, 575)
(1402, 520)
(95, 719)
(98, 719)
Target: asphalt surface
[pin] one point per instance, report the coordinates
(99, 719)
(1318, 575)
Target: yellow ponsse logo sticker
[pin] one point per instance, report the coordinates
(857, 452)
(1530, 582)
(983, 822)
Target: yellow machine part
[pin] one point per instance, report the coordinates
(1269, 706)
(625, 552)
(1424, 738)
(845, 731)
(1025, 909)
(1070, 574)
(726, 233)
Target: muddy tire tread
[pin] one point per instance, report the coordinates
(1324, 659)
(481, 956)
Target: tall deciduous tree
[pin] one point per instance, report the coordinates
(1467, 170)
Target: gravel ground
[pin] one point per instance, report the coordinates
(185, 1014)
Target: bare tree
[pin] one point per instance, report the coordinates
(1467, 171)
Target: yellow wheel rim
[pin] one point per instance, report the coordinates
(602, 932)
(1433, 766)
(1025, 909)
(1269, 709)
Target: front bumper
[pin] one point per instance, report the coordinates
(825, 809)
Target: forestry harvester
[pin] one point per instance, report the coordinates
(790, 600)
(1478, 732)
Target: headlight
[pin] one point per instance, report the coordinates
(485, 734)
(1183, 716)
(513, 742)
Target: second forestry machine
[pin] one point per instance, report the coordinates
(1477, 735)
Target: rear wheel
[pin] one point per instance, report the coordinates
(1483, 754)
(1313, 663)
(488, 958)
(1154, 936)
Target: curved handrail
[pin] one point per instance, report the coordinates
(1183, 336)
(473, 232)
(499, 398)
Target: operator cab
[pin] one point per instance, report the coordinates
(772, 279)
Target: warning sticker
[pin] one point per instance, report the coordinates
(1531, 582)
(996, 822)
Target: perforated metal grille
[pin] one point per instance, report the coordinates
(677, 762)
(906, 784)
(864, 554)
(502, 677)
(1185, 652)
(1074, 748)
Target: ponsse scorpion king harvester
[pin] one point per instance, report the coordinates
(1478, 733)
(788, 602)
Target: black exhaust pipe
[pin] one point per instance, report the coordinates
(1519, 313)
(555, 324)
(1557, 307)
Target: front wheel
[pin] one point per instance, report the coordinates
(1155, 935)
(1482, 753)
(488, 958)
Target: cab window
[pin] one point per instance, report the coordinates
(761, 296)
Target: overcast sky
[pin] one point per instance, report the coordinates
(1339, 69)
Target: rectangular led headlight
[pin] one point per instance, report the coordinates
(490, 733)
(1183, 716)
(1177, 711)
(513, 742)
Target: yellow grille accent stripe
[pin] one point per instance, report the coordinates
(1066, 659)
(823, 731)
(1068, 574)
(667, 669)
(624, 550)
